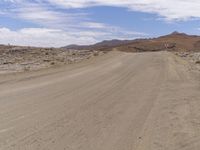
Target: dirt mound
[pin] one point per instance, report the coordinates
(149, 45)
(173, 42)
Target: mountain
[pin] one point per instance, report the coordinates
(111, 43)
(100, 46)
(173, 42)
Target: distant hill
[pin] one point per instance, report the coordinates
(173, 42)
(100, 46)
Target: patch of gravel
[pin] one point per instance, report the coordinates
(18, 59)
(193, 57)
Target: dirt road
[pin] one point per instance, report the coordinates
(120, 101)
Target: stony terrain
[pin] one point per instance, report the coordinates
(192, 57)
(16, 58)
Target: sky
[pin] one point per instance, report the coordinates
(56, 23)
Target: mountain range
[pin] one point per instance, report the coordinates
(173, 42)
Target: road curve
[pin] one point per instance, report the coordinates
(119, 101)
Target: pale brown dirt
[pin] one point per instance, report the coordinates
(120, 101)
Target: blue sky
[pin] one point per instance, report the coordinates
(56, 23)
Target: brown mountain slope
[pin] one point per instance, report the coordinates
(172, 42)
(107, 44)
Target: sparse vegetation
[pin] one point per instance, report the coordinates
(19, 58)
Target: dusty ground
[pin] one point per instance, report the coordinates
(20, 59)
(192, 57)
(120, 101)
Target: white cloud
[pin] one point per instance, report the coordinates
(59, 27)
(94, 25)
(169, 9)
(42, 14)
(44, 37)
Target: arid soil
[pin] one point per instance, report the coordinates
(119, 101)
(19, 59)
(192, 57)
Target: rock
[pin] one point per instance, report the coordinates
(197, 62)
